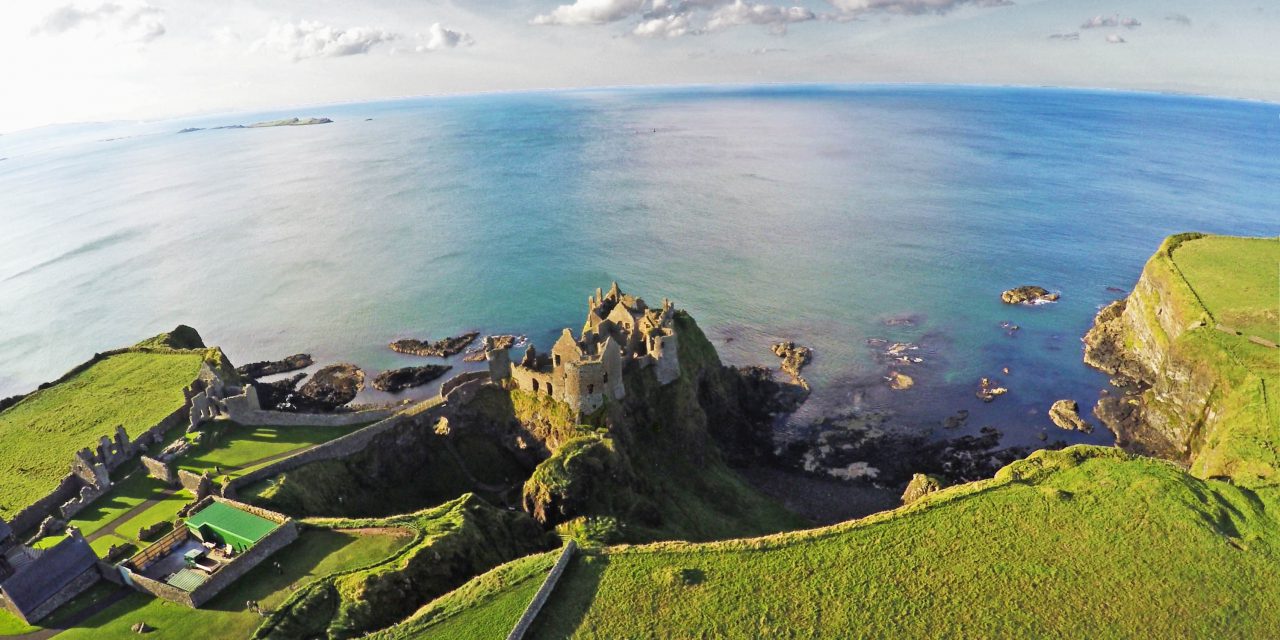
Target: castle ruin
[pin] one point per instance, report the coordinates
(620, 331)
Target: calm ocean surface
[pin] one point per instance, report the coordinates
(811, 213)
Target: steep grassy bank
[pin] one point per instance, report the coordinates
(1085, 542)
(452, 543)
(1197, 388)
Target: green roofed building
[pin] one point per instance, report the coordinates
(222, 523)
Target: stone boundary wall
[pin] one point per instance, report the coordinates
(461, 379)
(544, 593)
(190, 481)
(244, 409)
(159, 470)
(339, 447)
(157, 588)
(275, 541)
(29, 518)
(462, 393)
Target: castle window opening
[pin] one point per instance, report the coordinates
(591, 388)
(557, 360)
(606, 377)
(550, 390)
(535, 386)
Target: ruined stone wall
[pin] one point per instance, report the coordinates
(244, 409)
(666, 360)
(28, 519)
(461, 379)
(157, 588)
(159, 470)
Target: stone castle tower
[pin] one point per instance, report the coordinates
(621, 330)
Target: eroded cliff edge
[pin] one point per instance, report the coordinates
(1189, 386)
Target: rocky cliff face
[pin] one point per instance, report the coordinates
(1184, 390)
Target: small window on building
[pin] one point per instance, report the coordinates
(591, 388)
(557, 360)
(606, 377)
(535, 386)
(550, 390)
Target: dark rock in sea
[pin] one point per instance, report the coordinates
(1010, 329)
(909, 320)
(440, 348)
(280, 395)
(1066, 414)
(1115, 290)
(1029, 294)
(957, 420)
(408, 377)
(334, 385)
(921, 485)
(272, 367)
(794, 358)
(989, 390)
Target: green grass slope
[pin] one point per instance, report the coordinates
(40, 434)
(1085, 542)
(1237, 280)
(486, 607)
(452, 543)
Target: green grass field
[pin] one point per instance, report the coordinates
(1087, 542)
(486, 607)
(1237, 280)
(10, 625)
(40, 434)
(316, 553)
(232, 447)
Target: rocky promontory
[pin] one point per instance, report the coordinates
(408, 377)
(1029, 294)
(440, 348)
(272, 367)
(1184, 389)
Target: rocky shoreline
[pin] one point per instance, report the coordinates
(396, 380)
(266, 368)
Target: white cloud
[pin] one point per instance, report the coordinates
(672, 26)
(774, 17)
(1074, 35)
(1115, 38)
(911, 7)
(440, 38)
(137, 22)
(1179, 18)
(591, 12)
(308, 39)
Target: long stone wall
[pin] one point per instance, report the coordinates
(244, 409)
(29, 518)
(349, 444)
(544, 593)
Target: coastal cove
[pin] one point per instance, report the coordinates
(825, 215)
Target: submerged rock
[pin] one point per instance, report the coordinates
(1066, 414)
(408, 377)
(272, 367)
(957, 420)
(441, 348)
(899, 381)
(1029, 294)
(921, 485)
(334, 385)
(794, 357)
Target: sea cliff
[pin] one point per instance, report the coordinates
(1189, 386)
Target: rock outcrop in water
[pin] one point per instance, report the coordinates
(1029, 294)
(408, 377)
(273, 367)
(334, 385)
(440, 348)
(794, 358)
(1066, 414)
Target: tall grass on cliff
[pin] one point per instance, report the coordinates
(1085, 542)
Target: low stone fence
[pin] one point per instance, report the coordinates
(244, 409)
(544, 593)
(159, 470)
(461, 379)
(29, 518)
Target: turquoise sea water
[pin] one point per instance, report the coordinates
(811, 213)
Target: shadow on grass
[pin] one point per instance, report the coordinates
(297, 563)
(569, 602)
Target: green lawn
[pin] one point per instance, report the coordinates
(230, 446)
(486, 607)
(1237, 279)
(316, 553)
(40, 434)
(10, 625)
(1086, 542)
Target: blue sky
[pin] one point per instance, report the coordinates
(145, 59)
